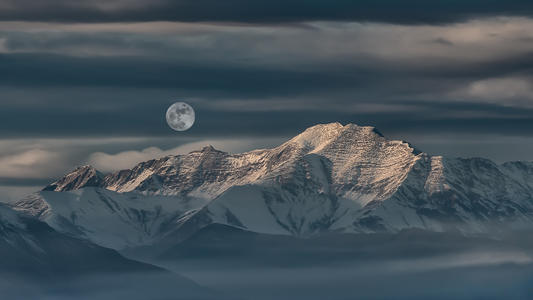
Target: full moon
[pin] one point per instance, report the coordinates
(180, 116)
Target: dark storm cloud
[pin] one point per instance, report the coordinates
(57, 70)
(261, 11)
(72, 80)
(146, 118)
(263, 58)
(51, 94)
(360, 77)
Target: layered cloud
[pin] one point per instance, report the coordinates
(118, 78)
(475, 42)
(260, 11)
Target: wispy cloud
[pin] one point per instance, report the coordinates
(516, 91)
(127, 159)
(32, 163)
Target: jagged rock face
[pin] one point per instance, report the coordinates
(358, 161)
(472, 195)
(81, 177)
(329, 178)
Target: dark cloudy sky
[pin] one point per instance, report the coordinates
(89, 81)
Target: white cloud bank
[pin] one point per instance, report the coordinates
(127, 159)
(29, 164)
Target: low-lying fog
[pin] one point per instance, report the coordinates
(476, 275)
(135, 286)
(249, 266)
(406, 266)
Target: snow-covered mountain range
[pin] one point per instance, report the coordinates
(31, 249)
(27, 244)
(329, 178)
(40, 263)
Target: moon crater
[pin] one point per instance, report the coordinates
(180, 116)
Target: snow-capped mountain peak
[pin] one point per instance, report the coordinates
(81, 177)
(331, 177)
(317, 136)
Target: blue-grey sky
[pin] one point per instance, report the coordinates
(89, 81)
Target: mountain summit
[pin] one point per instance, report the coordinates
(329, 178)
